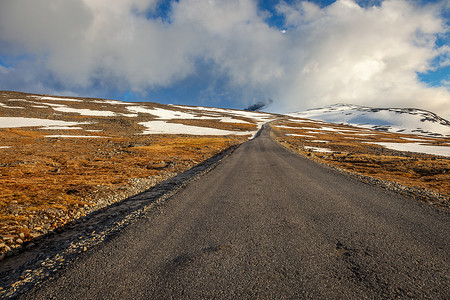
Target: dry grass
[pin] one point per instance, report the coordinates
(351, 150)
(47, 182)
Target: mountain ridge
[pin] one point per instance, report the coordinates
(400, 120)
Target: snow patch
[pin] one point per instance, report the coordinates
(53, 104)
(232, 120)
(419, 148)
(162, 127)
(319, 141)
(13, 107)
(61, 99)
(113, 102)
(295, 134)
(404, 120)
(257, 116)
(15, 122)
(164, 113)
(62, 128)
(318, 149)
(86, 112)
(287, 127)
(129, 115)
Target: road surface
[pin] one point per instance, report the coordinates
(266, 223)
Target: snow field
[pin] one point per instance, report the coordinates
(61, 99)
(162, 127)
(86, 112)
(418, 148)
(417, 122)
(409, 147)
(15, 122)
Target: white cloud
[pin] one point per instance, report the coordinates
(339, 53)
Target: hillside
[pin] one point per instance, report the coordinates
(420, 164)
(62, 158)
(397, 120)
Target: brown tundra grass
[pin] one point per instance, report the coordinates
(352, 150)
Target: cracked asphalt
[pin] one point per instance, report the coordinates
(266, 223)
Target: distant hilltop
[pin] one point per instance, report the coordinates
(398, 120)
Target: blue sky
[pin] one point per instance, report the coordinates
(231, 53)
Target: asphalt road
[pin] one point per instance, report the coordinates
(266, 223)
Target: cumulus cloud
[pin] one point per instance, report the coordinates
(339, 53)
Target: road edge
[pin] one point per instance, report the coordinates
(94, 229)
(420, 194)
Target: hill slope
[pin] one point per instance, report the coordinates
(61, 158)
(399, 120)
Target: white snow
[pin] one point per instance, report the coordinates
(319, 141)
(81, 111)
(287, 127)
(129, 115)
(6, 106)
(113, 102)
(53, 104)
(414, 140)
(162, 127)
(14, 122)
(409, 121)
(257, 116)
(318, 149)
(415, 147)
(86, 112)
(294, 134)
(75, 136)
(61, 99)
(233, 120)
(62, 128)
(164, 113)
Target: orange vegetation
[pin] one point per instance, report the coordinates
(46, 182)
(351, 149)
